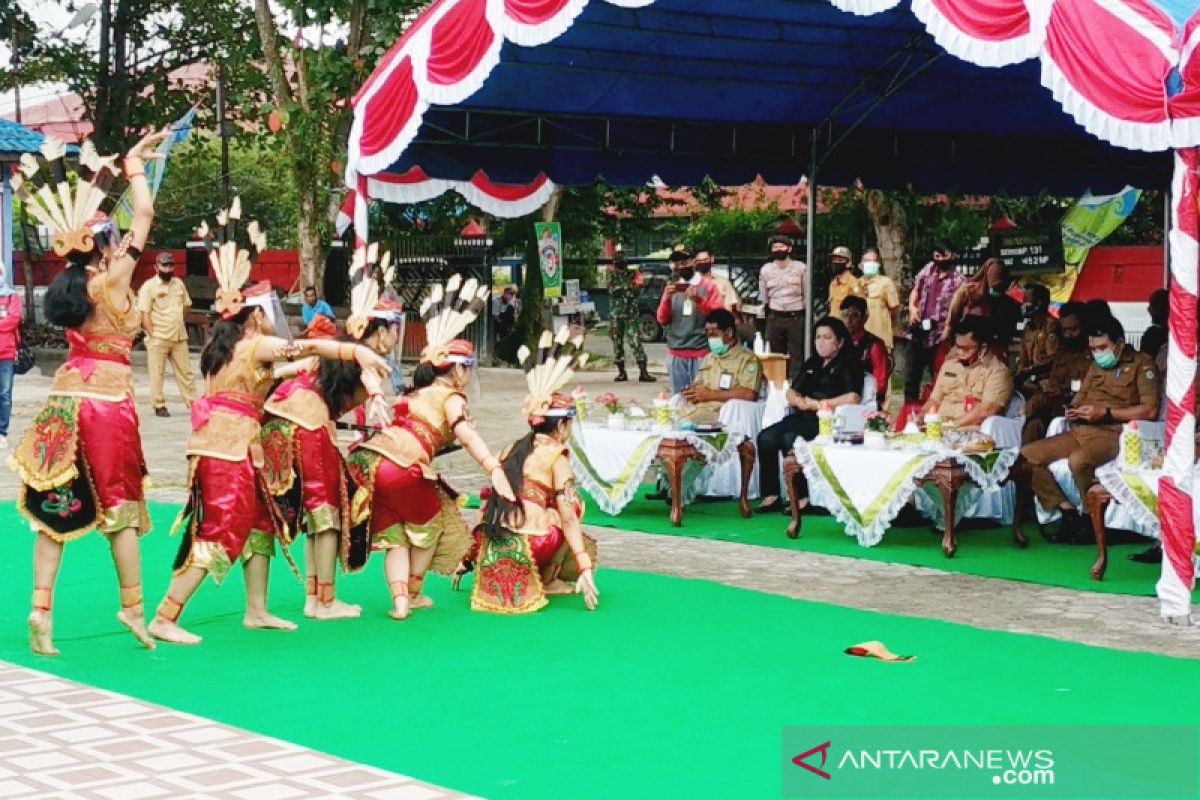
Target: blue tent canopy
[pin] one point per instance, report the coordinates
(733, 89)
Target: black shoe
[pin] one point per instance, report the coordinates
(1074, 529)
(658, 494)
(1151, 555)
(161, 412)
(644, 375)
(771, 508)
(621, 375)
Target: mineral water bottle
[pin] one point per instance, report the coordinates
(933, 426)
(1131, 443)
(825, 423)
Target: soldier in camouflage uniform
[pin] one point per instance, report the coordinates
(624, 286)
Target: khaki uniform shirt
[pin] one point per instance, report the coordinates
(166, 304)
(986, 381)
(737, 369)
(882, 300)
(729, 295)
(1134, 381)
(1040, 342)
(843, 285)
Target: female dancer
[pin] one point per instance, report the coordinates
(535, 546)
(304, 468)
(80, 463)
(409, 510)
(230, 513)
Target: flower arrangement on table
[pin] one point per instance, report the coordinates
(878, 422)
(611, 403)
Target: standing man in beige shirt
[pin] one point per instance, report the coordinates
(781, 293)
(163, 301)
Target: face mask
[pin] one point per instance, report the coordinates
(945, 264)
(687, 274)
(840, 267)
(717, 346)
(704, 269)
(966, 362)
(1074, 345)
(166, 276)
(825, 348)
(779, 255)
(870, 268)
(1105, 359)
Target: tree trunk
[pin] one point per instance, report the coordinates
(891, 232)
(312, 264)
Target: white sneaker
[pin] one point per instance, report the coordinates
(3, 442)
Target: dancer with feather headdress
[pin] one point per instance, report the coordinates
(230, 512)
(534, 547)
(305, 470)
(80, 463)
(409, 510)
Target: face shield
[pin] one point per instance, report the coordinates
(466, 378)
(276, 319)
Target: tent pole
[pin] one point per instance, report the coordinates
(810, 235)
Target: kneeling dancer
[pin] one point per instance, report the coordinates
(534, 547)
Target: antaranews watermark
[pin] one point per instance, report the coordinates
(1051, 762)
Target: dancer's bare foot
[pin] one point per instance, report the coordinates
(168, 631)
(336, 609)
(400, 607)
(558, 586)
(310, 606)
(421, 601)
(265, 620)
(41, 637)
(134, 618)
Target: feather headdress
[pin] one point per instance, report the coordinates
(548, 370)
(229, 261)
(371, 276)
(70, 212)
(447, 312)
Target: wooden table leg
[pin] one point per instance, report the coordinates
(748, 453)
(674, 455)
(791, 466)
(1097, 500)
(948, 477)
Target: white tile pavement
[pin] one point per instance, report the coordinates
(63, 740)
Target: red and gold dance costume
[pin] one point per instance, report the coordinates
(80, 463)
(401, 497)
(304, 469)
(510, 574)
(230, 511)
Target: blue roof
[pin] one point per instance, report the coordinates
(16, 139)
(732, 88)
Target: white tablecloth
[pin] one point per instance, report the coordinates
(865, 488)
(1135, 492)
(611, 465)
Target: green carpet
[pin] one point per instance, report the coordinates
(673, 688)
(984, 551)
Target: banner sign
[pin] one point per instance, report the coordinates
(549, 244)
(1030, 250)
(1093, 218)
(155, 169)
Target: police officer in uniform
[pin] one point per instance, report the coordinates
(1048, 397)
(973, 384)
(624, 286)
(1120, 386)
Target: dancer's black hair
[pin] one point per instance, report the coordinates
(425, 374)
(226, 334)
(501, 512)
(340, 380)
(67, 302)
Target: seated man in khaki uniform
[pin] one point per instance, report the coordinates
(974, 384)
(1047, 397)
(728, 372)
(1120, 386)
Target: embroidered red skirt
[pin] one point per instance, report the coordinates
(321, 470)
(402, 496)
(543, 548)
(111, 445)
(234, 502)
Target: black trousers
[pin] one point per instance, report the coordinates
(786, 335)
(779, 439)
(920, 358)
